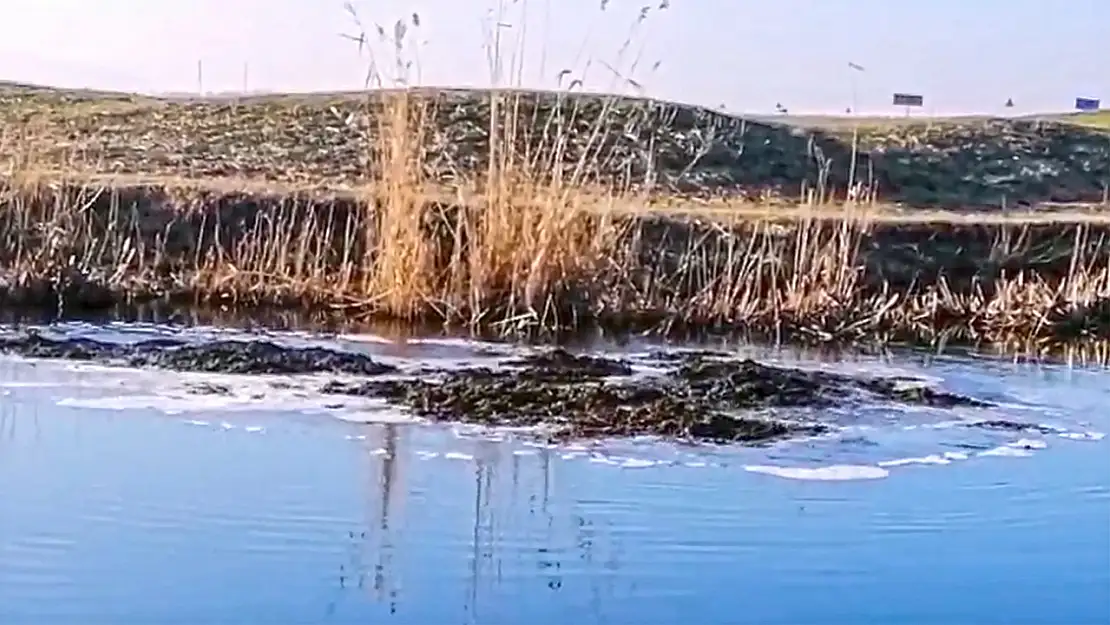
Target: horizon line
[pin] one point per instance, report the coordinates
(232, 94)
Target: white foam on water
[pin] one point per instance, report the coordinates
(360, 437)
(695, 465)
(930, 459)
(178, 404)
(197, 422)
(603, 460)
(254, 429)
(955, 455)
(456, 455)
(942, 425)
(427, 455)
(1083, 436)
(1027, 443)
(383, 415)
(537, 445)
(516, 429)
(379, 452)
(86, 367)
(161, 403)
(638, 463)
(29, 384)
(1005, 451)
(365, 338)
(226, 426)
(830, 473)
(463, 343)
(524, 452)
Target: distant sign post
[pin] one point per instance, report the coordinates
(1087, 104)
(909, 101)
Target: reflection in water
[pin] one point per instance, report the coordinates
(156, 516)
(14, 415)
(534, 540)
(379, 536)
(481, 553)
(390, 489)
(385, 585)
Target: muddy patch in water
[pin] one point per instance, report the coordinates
(589, 397)
(236, 357)
(689, 396)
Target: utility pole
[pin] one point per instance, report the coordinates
(200, 77)
(855, 70)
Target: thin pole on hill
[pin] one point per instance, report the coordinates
(855, 69)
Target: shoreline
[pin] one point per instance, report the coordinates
(821, 279)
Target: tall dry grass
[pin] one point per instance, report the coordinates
(519, 236)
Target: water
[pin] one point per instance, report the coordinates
(126, 499)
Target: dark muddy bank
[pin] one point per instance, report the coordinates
(696, 398)
(174, 231)
(304, 252)
(239, 357)
(701, 396)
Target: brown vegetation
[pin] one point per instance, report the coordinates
(542, 236)
(522, 258)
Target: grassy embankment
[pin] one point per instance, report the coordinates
(520, 212)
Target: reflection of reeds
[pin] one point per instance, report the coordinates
(483, 538)
(382, 528)
(392, 491)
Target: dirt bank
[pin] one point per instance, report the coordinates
(821, 279)
(664, 149)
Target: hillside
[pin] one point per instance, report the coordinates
(674, 150)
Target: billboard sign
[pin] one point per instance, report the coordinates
(1087, 104)
(908, 99)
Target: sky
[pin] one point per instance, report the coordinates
(746, 56)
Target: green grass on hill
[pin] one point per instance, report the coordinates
(1097, 119)
(837, 123)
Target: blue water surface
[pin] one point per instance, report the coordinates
(265, 514)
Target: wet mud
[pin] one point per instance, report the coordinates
(1007, 425)
(239, 357)
(696, 396)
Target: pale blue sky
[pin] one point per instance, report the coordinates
(964, 56)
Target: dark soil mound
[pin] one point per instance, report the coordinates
(257, 357)
(699, 399)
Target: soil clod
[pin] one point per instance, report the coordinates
(698, 399)
(243, 357)
(1008, 425)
